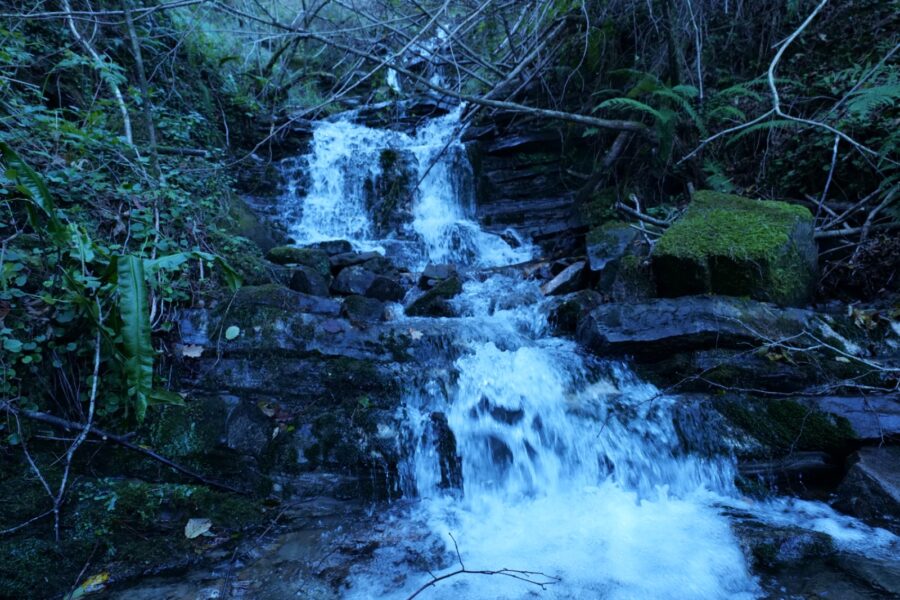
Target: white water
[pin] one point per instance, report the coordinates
(345, 158)
(571, 467)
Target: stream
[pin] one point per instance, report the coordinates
(574, 478)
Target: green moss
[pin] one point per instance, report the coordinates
(785, 426)
(740, 247)
(314, 258)
(193, 429)
(433, 303)
(719, 224)
(599, 209)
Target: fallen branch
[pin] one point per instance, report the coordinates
(537, 578)
(117, 439)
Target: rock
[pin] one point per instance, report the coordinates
(797, 464)
(661, 326)
(433, 303)
(333, 247)
(309, 281)
(871, 417)
(314, 258)
(571, 279)
(609, 243)
(774, 548)
(361, 308)
(194, 429)
(433, 274)
(353, 280)
(445, 443)
(735, 246)
(628, 279)
(381, 265)
(871, 488)
(349, 259)
(248, 429)
(386, 289)
(252, 298)
(389, 196)
(566, 315)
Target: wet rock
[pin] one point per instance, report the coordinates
(871, 417)
(871, 489)
(361, 308)
(609, 243)
(194, 429)
(445, 442)
(434, 274)
(314, 258)
(628, 279)
(661, 326)
(807, 465)
(570, 279)
(735, 246)
(389, 196)
(307, 280)
(333, 247)
(353, 281)
(250, 299)
(349, 259)
(566, 315)
(775, 548)
(434, 302)
(386, 289)
(248, 429)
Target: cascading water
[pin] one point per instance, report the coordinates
(568, 465)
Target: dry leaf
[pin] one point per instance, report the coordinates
(192, 351)
(196, 528)
(415, 334)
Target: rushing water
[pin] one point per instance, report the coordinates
(570, 466)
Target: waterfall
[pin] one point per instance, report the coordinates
(568, 465)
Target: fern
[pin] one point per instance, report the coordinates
(721, 113)
(773, 124)
(864, 102)
(685, 105)
(630, 104)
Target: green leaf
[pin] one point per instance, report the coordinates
(136, 342)
(628, 103)
(232, 332)
(12, 345)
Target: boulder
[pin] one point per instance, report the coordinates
(386, 290)
(248, 429)
(314, 258)
(309, 281)
(434, 274)
(361, 308)
(657, 328)
(333, 247)
(433, 303)
(735, 246)
(349, 259)
(353, 281)
(570, 279)
(871, 488)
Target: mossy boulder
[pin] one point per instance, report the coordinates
(315, 258)
(433, 303)
(736, 246)
(193, 429)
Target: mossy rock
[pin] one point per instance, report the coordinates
(315, 258)
(433, 303)
(194, 429)
(736, 246)
(785, 426)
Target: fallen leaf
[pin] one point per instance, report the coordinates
(415, 334)
(232, 332)
(196, 527)
(192, 351)
(91, 585)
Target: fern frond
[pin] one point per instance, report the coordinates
(866, 101)
(686, 106)
(773, 124)
(629, 104)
